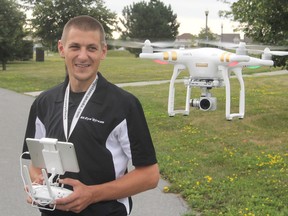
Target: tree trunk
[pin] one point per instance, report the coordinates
(3, 65)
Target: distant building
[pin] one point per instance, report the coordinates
(230, 38)
(189, 40)
(185, 37)
(248, 40)
(186, 40)
(234, 38)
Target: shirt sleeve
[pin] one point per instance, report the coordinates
(30, 128)
(142, 148)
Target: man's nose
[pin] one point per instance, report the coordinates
(83, 54)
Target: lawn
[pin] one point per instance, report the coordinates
(224, 167)
(219, 167)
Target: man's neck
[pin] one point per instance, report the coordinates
(80, 86)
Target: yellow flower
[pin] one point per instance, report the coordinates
(166, 189)
(208, 178)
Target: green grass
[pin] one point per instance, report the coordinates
(118, 67)
(219, 167)
(224, 167)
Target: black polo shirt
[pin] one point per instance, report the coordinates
(111, 130)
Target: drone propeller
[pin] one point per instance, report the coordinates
(138, 44)
(277, 53)
(125, 43)
(267, 53)
(241, 48)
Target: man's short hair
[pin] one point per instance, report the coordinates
(84, 23)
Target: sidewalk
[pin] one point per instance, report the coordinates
(14, 109)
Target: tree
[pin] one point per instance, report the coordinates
(264, 21)
(12, 21)
(50, 16)
(149, 20)
(210, 35)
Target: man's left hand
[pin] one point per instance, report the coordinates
(78, 200)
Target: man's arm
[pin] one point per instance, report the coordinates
(138, 180)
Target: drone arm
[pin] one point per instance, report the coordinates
(239, 58)
(159, 56)
(257, 62)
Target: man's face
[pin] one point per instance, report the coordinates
(82, 51)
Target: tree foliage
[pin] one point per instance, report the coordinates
(12, 20)
(149, 20)
(210, 35)
(264, 21)
(50, 16)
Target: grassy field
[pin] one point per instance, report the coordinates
(220, 167)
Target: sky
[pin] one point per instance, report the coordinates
(190, 14)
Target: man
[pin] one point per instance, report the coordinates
(107, 130)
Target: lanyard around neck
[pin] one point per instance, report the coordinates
(79, 110)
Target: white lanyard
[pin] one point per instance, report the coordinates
(79, 110)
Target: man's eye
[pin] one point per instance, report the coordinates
(74, 47)
(92, 48)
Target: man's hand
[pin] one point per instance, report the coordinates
(138, 180)
(36, 177)
(78, 200)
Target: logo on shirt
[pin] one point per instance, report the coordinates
(91, 119)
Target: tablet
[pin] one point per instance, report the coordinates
(66, 150)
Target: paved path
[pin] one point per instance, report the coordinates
(14, 110)
(13, 114)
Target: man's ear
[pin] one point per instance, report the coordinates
(61, 49)
(104, 51)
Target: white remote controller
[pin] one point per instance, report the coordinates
(47, 193)
(51, 157)
(41, 193)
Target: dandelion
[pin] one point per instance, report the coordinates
(208, 178)
(166, 189)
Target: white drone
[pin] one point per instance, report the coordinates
(208, 68)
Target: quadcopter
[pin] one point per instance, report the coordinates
(208, 68)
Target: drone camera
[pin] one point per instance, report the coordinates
(204, 103)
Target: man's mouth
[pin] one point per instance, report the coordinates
(82, 65)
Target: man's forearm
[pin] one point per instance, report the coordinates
(138, 180)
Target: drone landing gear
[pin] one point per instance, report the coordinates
(238, 73)
(171, 112)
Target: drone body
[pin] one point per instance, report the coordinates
(202, 62)
(208, 68)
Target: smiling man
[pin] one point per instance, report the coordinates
(105, 123)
